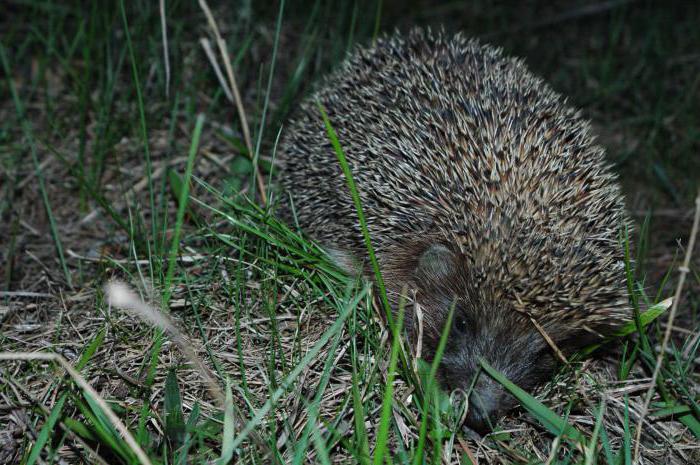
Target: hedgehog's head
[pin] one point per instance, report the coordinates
(483, 326)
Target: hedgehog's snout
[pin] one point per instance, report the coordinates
(484, 409)
(488, 401)
(521, 355)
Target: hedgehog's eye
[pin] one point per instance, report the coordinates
(461, 324)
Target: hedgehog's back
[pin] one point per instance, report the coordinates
(446, 137)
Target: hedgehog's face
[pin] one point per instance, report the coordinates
(481, 328)
(509, 343)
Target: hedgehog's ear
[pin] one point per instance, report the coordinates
(436, 263)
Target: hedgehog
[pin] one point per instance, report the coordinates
(485, 195)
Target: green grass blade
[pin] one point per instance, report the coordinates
(377, 21)
(550, 420)
(591, 449)
(670, 411)
(91, 349)
(321, 448)
(431, 387)
(359, 415)
(176, 184)
(103, 429)
(627, 435)
(190, 430)
(646, 346)
(296, 371)
(645, 319)
(79, 429)
(266, 104)
(692, 423)
(145, 414)
(333, 136)
(56, 411)
(228, 444)
(46, 430)
(172, 405)
(313, 407)
(143, 125)
(29, 136)
(607, 449)
(182, 207)
(388, 399)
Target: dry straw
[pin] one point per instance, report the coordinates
(683, 270)
(119, 295)
(232, 88)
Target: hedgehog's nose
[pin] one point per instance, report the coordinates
(484, 408)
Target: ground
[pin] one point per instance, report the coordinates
(96, 137)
